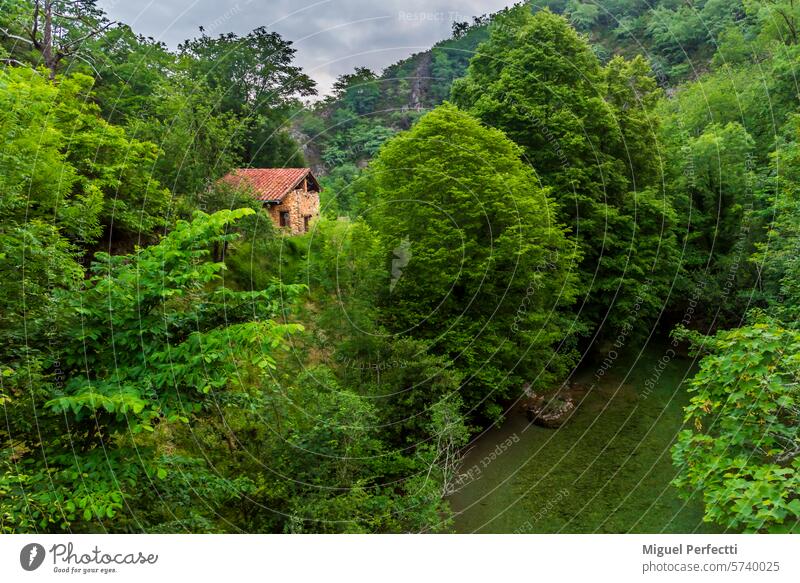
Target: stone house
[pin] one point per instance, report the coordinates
(290, 195)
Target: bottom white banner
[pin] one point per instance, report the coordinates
(414, 558)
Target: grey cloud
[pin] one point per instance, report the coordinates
(331, 36)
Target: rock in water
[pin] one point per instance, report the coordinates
(550, 411)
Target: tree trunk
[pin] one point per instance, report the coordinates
(47, 39)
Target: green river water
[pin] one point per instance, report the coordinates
(607, 470)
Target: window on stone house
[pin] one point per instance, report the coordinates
(284, 219)
(306, 220)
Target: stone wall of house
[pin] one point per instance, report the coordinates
(299, 203)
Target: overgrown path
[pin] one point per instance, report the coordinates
(607, 470)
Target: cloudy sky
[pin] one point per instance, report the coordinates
(331, 36)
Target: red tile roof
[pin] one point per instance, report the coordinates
(268, 184)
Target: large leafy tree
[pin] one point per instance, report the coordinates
(358, 91)
(257, 83)
(729, 147)
(590, 133)
(51, 32)
(198, 144)
(67, 179)
(156, 96)
(479, 263)
(62, 163)
(130, 72)
(715, 198)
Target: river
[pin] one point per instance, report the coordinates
(607, 470)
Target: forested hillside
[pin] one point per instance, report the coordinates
(680, 40)
(556, 185)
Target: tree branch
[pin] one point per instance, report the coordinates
(15, 37)
(65, 49)
(786, 457)
(13, 62)
(69, 17)
(789, 24)
(88, 62)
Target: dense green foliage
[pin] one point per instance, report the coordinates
(742, 451)
(61, 163)
(147, 342)
(588, 131)
(606, 172)
(255, 81)
(479, 264)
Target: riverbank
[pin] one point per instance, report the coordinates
(608, 470)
